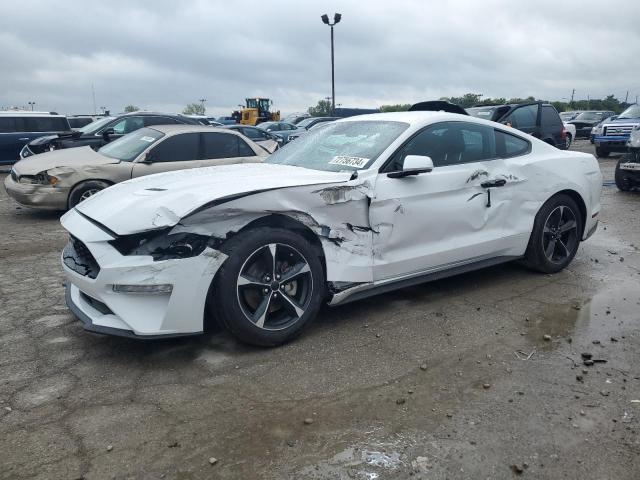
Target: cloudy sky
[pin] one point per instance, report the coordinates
(163, 54)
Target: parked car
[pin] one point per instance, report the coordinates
(269, 141)
(570, 130)
(201, 119)
(224, 120)
(360, 206)
(301, 131)
(597, 130)
(17, 128)
(296, 118)
(103, 131)
(615, 133)
(585, 121)
(63, 178)
(281, 129)
(307, 124)
(538, 119)
(567, 116)
(627, 174)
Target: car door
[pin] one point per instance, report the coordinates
(174, 152)
(220, 148)
(12, 138)
(448, 217)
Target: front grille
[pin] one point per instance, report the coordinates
(78, 258)
(617, 130)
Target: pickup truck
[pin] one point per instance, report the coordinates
(615, 133)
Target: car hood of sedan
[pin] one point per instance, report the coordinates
(162, 200)
(68, 157)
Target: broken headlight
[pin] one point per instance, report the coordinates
(162, 244)
(42, 178)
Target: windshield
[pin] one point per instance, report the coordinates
(305, 122)
(482, 112)
(632, 112)
(590, 116)
(127, 148)
(340, 146)
(93, 127)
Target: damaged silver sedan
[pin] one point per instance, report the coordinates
(361, 206)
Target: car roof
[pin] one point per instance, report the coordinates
(421, 118)
(29, 113)
(173, 129)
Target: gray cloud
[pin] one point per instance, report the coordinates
(164, 54)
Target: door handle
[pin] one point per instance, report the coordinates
(24, 138)
(498, 182)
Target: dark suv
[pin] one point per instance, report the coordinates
(19, 128)
(540, 120)
(101, 132)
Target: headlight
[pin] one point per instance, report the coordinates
(25, 152)
(597, 130)
(162, 245)
(42, 178)
(634, 138)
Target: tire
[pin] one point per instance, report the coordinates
(623, 184)
(602, 152)
(568, 140)
(248, 296)
(84, 190)
(550, 248)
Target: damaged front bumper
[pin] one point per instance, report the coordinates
(40, 196)
(110, 293)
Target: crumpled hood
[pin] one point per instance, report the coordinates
(69, 157)
(162, 200)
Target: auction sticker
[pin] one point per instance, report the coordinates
(349, 161)
(147, 139)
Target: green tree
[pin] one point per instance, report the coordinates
(399, 107)
(131, 108)
(194, 109)
(323, 109)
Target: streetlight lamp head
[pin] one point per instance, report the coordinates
(336, 18)
(325, 19)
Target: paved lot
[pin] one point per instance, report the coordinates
(425, 382)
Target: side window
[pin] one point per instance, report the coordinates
(523, 117)
(46, 124)
(254, 133)
(550, 117)
(11, 125)
(449, 143)
(508, 145)
(128, 125)
(148, 121)
(177, 148)
(245, 150)
(220, 145)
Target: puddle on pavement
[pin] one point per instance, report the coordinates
(609, 312)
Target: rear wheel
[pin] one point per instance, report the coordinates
(85, 190)
(270, 288)
(568, 140)
(602, 152)
(556, 235)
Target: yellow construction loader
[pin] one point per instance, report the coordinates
(257, 110)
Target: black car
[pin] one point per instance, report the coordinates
(101, 132)
(538, 119)
(256, 134)
(585, 121)
(17, 128)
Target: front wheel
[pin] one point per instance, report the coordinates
(85, 190)
(622, 182)
(270, 288)
(556, 234)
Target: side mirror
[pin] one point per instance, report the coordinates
(147, 158)
(413, 165)
(107, 132)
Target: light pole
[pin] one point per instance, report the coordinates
(202, 100)
(325, 20)
(32, 105)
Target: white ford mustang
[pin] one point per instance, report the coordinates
(363, 205)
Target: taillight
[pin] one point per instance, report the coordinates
(564, 133)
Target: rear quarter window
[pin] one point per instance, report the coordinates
(508, 145)
(550, 117)
(11, 124)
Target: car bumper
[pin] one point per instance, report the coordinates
(40, 196)
(136, 315)
(631, 171)
(614, 144)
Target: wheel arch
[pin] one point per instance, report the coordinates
(77, 184)
(576, 197)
